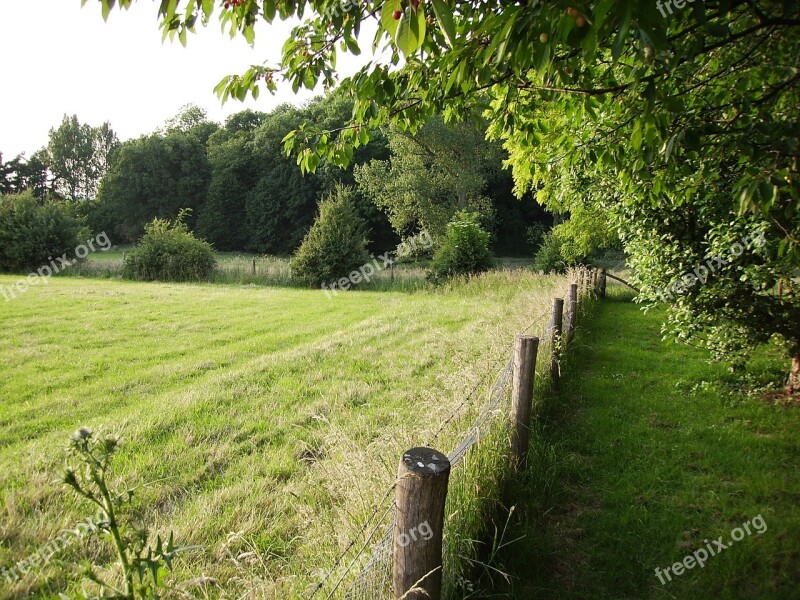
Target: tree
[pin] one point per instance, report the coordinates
(12, 178)
(234, 173)
(246, 120)
(153, 177)
(78, 156)
(191, 119)
(281, 206)
(37, 174)
(661, 99)
(18, 174)
(430, 176)
(336, 244)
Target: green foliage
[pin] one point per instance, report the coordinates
(463, 251)
(281, 206)
(33, 234)
(19, 174)
(430, 176)
(549, 257)
(535, 235)
(78, 156)
(143, 566)
(168, 251)
(152, 177)
(335, 245)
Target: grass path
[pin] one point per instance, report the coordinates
(646, 453)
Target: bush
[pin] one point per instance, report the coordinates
(549, 257)
(168, 251)
(32, 234)
(464, 250)
(336, 244)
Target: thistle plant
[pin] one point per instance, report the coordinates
(143, 566)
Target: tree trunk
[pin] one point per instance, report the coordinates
(794, 375)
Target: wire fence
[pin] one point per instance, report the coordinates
(371, 559)
(374, 568)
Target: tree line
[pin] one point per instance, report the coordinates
(243, 193)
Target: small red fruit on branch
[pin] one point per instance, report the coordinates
(397, 14)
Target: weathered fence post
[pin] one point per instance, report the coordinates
(603, 283)
(594, 280)
(254, 266)
(555, 339)
(571, 313)
(525, 350)
(420, 494)
(580, 282)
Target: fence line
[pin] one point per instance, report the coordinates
(375, 578)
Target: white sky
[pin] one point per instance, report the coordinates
(58, 58)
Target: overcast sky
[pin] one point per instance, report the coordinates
(59, 58)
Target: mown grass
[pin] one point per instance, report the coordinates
(269, 421)
(647, 452)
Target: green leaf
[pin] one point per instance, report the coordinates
(352, 45)
(106, 7)
(444, 16)
(388, 22)
(411, 31)
(249, 34)
(208, 8)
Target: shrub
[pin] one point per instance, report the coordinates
(32, 234)
(464, 250)
(549, 257)
(336, 244)
(168, 251)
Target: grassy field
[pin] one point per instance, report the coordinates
(647, 456)
(268, 421)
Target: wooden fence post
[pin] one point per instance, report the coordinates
(254, 266)
(603, 283)
(571, 313)
(525, 350)
(420, 495)
(555, 339)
